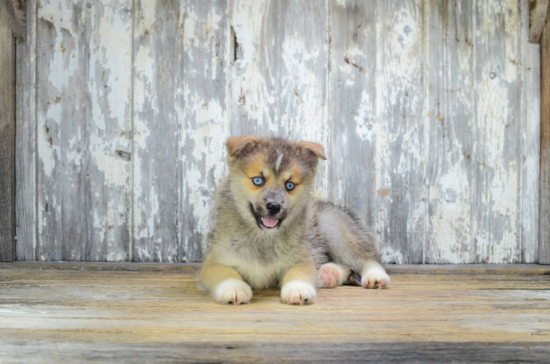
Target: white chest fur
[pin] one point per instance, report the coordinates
(258, 274)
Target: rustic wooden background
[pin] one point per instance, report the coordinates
(429, 111)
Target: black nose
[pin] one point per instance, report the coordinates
(273, 207)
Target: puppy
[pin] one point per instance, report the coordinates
(268, 231)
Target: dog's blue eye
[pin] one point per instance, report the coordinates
(258, 181)
(290, 186)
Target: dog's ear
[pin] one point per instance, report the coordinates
(312, 152)
(239, 146)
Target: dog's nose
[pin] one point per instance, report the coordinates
(273, 207)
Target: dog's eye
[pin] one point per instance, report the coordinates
(258, 181)
(290, 186)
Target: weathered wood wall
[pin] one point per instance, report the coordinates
(544, 244)
(429, 111)
(7, 139)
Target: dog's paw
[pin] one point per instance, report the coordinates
(298, 293)
(332, 275)
(375, 277)
(233, 291)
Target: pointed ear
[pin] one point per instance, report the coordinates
(238, 146)
(312, 152)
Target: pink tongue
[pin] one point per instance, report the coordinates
(270, 222)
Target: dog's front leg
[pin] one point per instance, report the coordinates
(224, 283)
(298, 283)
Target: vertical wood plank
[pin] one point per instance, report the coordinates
(205, 123)
(60, 131)
(450, 121)
(157, 88)
(498, 120)
(529, 140)
(537, 19)
(25, 156)
(352, 106)
(399, 129)
(254, 85)
(544, 242)
(83, 53)
(7, 141)
(107, 78)
(16, 11)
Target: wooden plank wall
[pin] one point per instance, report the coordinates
(7, 139)
(544, 251)
(429, 112)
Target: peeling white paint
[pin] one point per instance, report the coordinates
(279, 85)
(450, 240)
(250, 86)
(148, 13)
(364, 119)
(58, 13)
(390, 255)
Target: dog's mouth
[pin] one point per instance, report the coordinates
(269, 222)
(265, 222)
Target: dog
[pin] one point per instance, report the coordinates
(268, 231)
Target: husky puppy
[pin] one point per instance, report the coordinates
(268, 231)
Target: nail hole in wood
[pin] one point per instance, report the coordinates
(234, 44)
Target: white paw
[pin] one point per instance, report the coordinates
(233, 291)
(375, 277)
(332, 275)
(298, 293)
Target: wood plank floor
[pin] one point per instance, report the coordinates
(135, 313)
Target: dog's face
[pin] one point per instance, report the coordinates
(271, 178)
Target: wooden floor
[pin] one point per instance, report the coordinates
(146, 313)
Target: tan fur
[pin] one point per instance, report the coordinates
(305, 272)
(213, 273)
(243, 252)
(313, 147)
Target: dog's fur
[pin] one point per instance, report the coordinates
(313, 244)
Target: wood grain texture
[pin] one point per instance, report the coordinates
(205, 124)
(254, 91)
(25, 142)
(17, 13)
(55, 178)
(157, 92)
(529, 158)
(450, 120)
(7, 141)
(452, 233)
(401, 142)
(537, 19)
(80, 315)
(497, 52)
(108, 128)
(544, 247)
(16, 351)
(83, 79)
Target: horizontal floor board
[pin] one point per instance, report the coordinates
(388, 352)
(81, 315)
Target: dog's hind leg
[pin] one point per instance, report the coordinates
(349, 245)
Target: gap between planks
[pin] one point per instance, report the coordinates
(467, 269)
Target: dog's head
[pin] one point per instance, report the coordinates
(271, 179)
